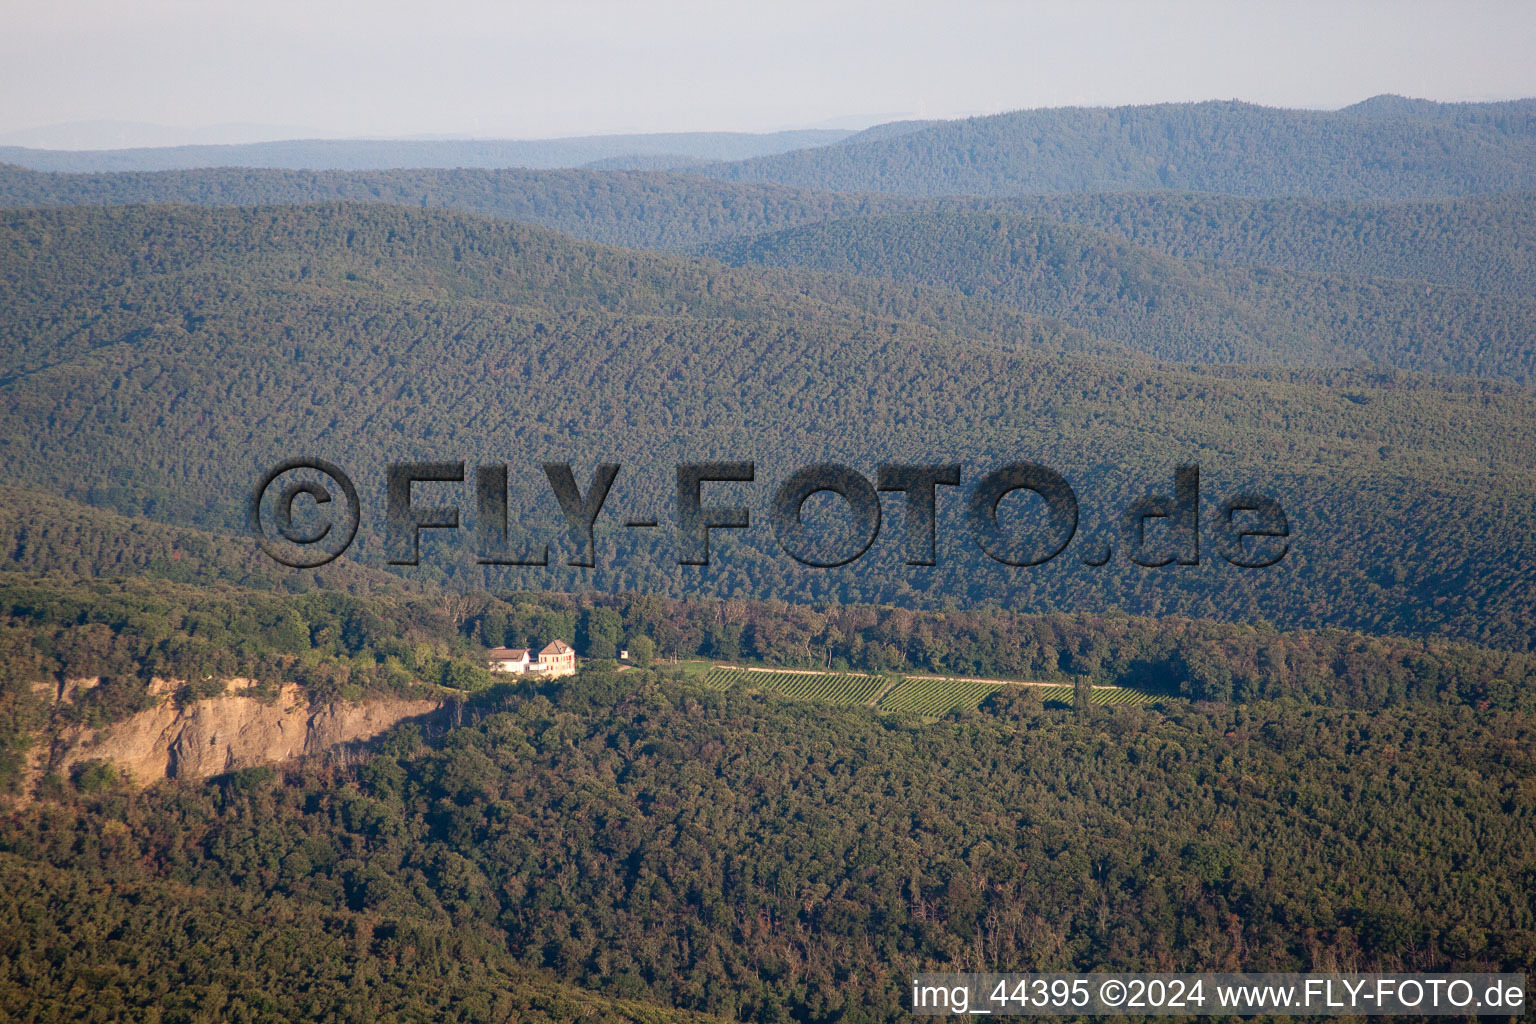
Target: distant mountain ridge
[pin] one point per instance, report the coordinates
(1390, 106)
(1385, 148)
(1478, 242)
(380, 154)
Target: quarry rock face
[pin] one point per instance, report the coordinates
(210, 737)
(69, 689)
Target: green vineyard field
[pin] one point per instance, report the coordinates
(834, 688)
(933, 698)
(1103, 696)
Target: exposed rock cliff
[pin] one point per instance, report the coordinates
(222, 734)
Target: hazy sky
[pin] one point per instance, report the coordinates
(582, 66)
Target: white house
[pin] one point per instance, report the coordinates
(558, 659)
(508, 659)
(555, 660)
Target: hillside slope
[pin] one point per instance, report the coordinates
(1180, 309)
(214, 356)
(619, 207)
(1477, 242)
(767, 859)
(1482, 243)
(78, 278)
(151, 945)
(44, 533)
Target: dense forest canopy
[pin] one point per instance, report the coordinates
(1177, 309)
(1482, 243)
(604, 846)
(1479, 242)
(642, 209)
(166, 357)
(771, 860)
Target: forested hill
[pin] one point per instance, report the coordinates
(161, 359)
(772, 861)
(1377, 151)
(363, 154)
(1504, 114)
(100, 264)
(42, 533)
(1486, 243)
(1181, 309)
(1478, 242)
(620, 207)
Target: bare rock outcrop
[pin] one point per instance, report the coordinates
(226, 733)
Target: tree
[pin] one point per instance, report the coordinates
(641, 650)
(1082, 696)
(465, 675)
(602, 630)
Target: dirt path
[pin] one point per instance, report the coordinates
(945, 679)
(1013, 682)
